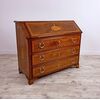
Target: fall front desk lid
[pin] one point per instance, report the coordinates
(50, 28)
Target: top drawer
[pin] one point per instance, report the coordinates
(55, 42)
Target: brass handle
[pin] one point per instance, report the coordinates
(42, 69)
(41, 57)
(41, 45)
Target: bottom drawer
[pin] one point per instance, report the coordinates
(51, 67)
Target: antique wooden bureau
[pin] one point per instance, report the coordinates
(46, 47)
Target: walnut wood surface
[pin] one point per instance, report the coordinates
(53, 66)
(42, 57)
(56, 27)
(55, 42)
(22, 47)
(45, 47)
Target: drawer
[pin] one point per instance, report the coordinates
(54, 66)
(55, 42)
(54, 54)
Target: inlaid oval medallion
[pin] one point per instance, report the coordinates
(55, 28)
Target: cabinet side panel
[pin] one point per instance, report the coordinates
(80, 46)
(22, 50)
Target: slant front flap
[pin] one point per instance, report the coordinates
(48, 28)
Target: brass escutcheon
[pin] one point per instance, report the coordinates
(41, 57)
(42, 69)
(41, 45)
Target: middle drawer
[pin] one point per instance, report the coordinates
(42, 57)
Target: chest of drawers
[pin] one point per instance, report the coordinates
(45, 47)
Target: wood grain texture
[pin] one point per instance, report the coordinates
(54, 27)
(43, 45)
(23, 49)
(51, 55)
(55, 42)
(47, 68)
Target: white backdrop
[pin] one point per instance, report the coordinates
(86, 13)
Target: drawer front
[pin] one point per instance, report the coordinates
(55, 42)
(48, 68)
(54, 54)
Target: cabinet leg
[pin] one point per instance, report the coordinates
(77, 66)
(30, 81)
(19, 71)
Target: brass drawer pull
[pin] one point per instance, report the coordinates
(41, 57)
(41, 45)
(42, 69)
